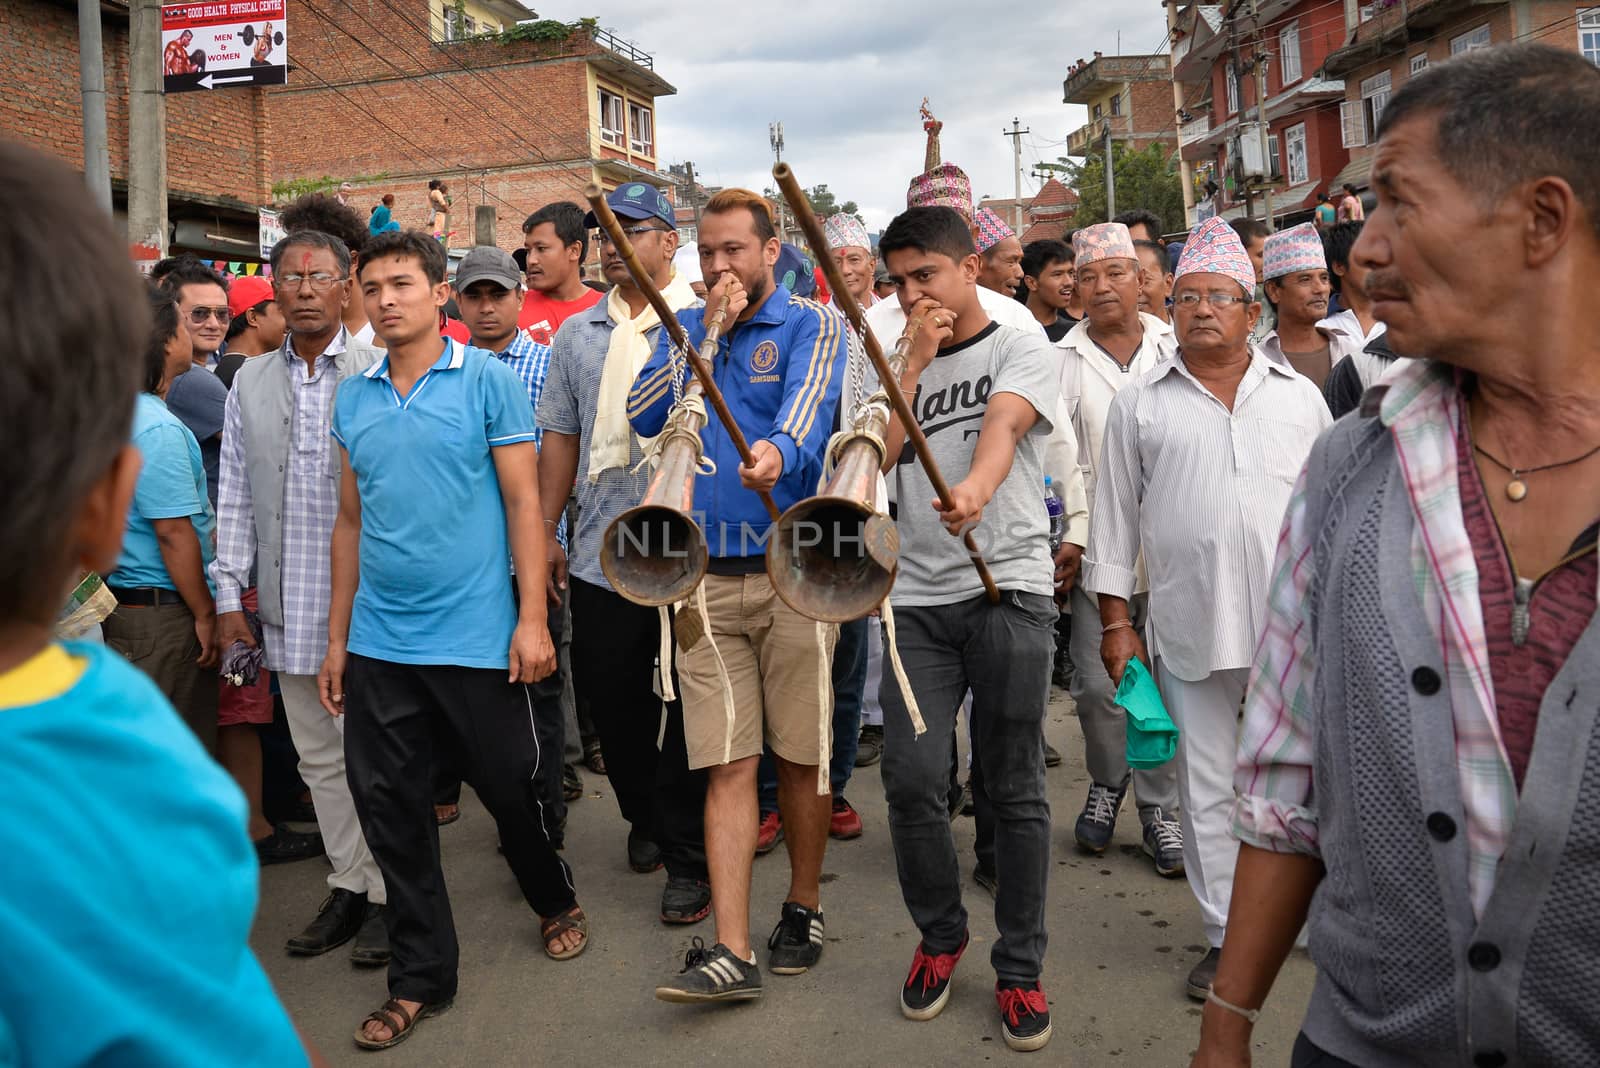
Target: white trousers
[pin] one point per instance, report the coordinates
(319, 739)
(1207, 715)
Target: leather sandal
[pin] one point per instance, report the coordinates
(553, 928)
(400, 1023)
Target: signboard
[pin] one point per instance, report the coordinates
(223, 44)
(272, 231)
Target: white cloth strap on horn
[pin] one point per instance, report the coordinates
(825, 706)
(664, 655)
(722, 672)
(918, 727)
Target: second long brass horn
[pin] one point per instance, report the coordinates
(833, 557)
(654, 553)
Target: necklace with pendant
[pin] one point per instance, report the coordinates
(1517, 488)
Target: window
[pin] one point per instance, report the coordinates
(452, 23)
(612, 132)
(1231, 77)
(1589, 34)
(1470, 41)
(1289, 52)
(471, 26)
(1274, 168)
(1374, 98)
(1116, 104)
(1294, 139)
(1419, 62)
(642, 125)
(1097, 112)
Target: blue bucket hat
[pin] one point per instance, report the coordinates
(636, 200)
(794, 271)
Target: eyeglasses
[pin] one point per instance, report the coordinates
(632, 231)
(199, 314)
(1216, 300)
(320, 282)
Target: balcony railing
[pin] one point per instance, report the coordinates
(1086, 138)
(1193, 130)
(607, 39)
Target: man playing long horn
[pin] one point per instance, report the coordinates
(753, 669)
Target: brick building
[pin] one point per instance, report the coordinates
(1387, 41)
(1046, 214)
(218, 166)
(1130, 95)
(1219, 62)
(510, 123)
(380, 94)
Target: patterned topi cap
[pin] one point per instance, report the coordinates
(1298, 248)
(1215, 248)
(991, 229)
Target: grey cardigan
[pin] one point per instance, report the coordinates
(265, 408)
(1406, 974)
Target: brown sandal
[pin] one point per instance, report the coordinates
(400, 1023)
(553, 928)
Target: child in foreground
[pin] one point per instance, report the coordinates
(129, 884)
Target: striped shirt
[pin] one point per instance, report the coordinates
(530, 359)
(1276, 806)
(310, 506)
(567, 405)
(1202, 489)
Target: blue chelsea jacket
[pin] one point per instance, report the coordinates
(780, 372)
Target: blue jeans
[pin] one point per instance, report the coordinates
(849, 686)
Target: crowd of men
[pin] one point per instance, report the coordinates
(327, 495)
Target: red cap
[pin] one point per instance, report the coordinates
(246, 291)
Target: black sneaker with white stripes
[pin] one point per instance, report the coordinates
(796, 942)
(713, 974)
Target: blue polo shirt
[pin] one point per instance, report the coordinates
(172, 485)
(780, 372)
(434, 585)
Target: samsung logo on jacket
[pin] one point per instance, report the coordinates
(780, 372)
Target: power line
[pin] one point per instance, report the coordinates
(329, 22)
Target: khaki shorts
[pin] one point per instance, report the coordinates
(781, 685)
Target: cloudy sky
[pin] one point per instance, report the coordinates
(845, 77)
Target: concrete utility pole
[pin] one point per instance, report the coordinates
(1111, 174)
(694, 195)
(1185, 172)
(1015, 133)
(1261, 120)
(147, 128)
(92, 74)
(483, 217)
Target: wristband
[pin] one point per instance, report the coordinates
(1238, 1010)
(1117, 625)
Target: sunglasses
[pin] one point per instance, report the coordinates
(198, 315)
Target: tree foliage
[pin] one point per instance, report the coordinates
(1147, 178)
(546, 30)
(824, 203)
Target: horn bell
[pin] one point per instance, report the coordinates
(833, 557)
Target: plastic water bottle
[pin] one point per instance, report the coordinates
(1056, 511)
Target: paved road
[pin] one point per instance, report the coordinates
(1121, 942)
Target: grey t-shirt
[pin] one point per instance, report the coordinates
(952, 397)
(198, 397)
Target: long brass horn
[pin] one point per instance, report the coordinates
(654, 553)
(833, 557)
(888, 376)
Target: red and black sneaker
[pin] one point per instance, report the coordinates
(1024, 1015)
(927, 988)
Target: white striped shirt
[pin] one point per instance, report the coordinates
(1203, 490)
